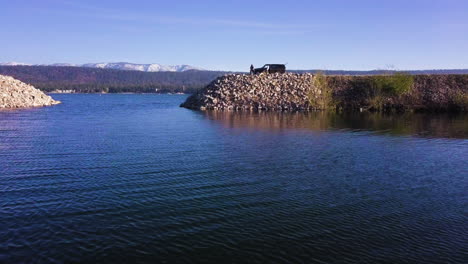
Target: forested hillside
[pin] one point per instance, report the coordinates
(90, 80)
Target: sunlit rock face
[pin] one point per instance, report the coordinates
(16, 94)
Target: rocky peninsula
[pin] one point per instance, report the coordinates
(17, 94)
(304, 92)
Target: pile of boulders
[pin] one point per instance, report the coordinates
(302, 92)
(264, 91)
(16, 94)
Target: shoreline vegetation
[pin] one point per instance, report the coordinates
(392, 92)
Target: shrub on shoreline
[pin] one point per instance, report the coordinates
(385, 86)
(395, 84)
(322, 96)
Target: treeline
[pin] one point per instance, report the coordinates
(92, 80)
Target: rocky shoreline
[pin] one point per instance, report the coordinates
(16, 94)
(305, 92)
(254, 92)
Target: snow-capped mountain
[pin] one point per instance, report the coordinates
(62, 64)
(140, 67)
(127, 66)
(12, 63)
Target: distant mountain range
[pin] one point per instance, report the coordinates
(154, 67)
(127, 66)
(96, 79)
(144, 78)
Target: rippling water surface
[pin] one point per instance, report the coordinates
(135, 178)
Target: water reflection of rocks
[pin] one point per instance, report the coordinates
(427, 125)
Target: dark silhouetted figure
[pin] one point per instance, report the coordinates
(251, 69)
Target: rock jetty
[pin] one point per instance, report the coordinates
(303, 92)
(16, 94)
(256, 92)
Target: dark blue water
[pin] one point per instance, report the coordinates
(135, 178)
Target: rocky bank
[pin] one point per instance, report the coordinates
(303, 92)
(255, 92)
(16, 94)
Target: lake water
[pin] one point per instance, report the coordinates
(135, 178)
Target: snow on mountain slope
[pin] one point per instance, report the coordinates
(127, 66)
(141, 67)
(63, 64)
(12, 63)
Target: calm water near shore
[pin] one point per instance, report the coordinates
(122, 178)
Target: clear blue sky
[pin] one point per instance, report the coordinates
(230, 35)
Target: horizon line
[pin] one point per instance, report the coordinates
(202, 69)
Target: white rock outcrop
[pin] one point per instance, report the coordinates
(17, 94)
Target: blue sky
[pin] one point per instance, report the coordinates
(230, 35)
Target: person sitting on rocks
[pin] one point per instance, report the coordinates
(251, 69)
